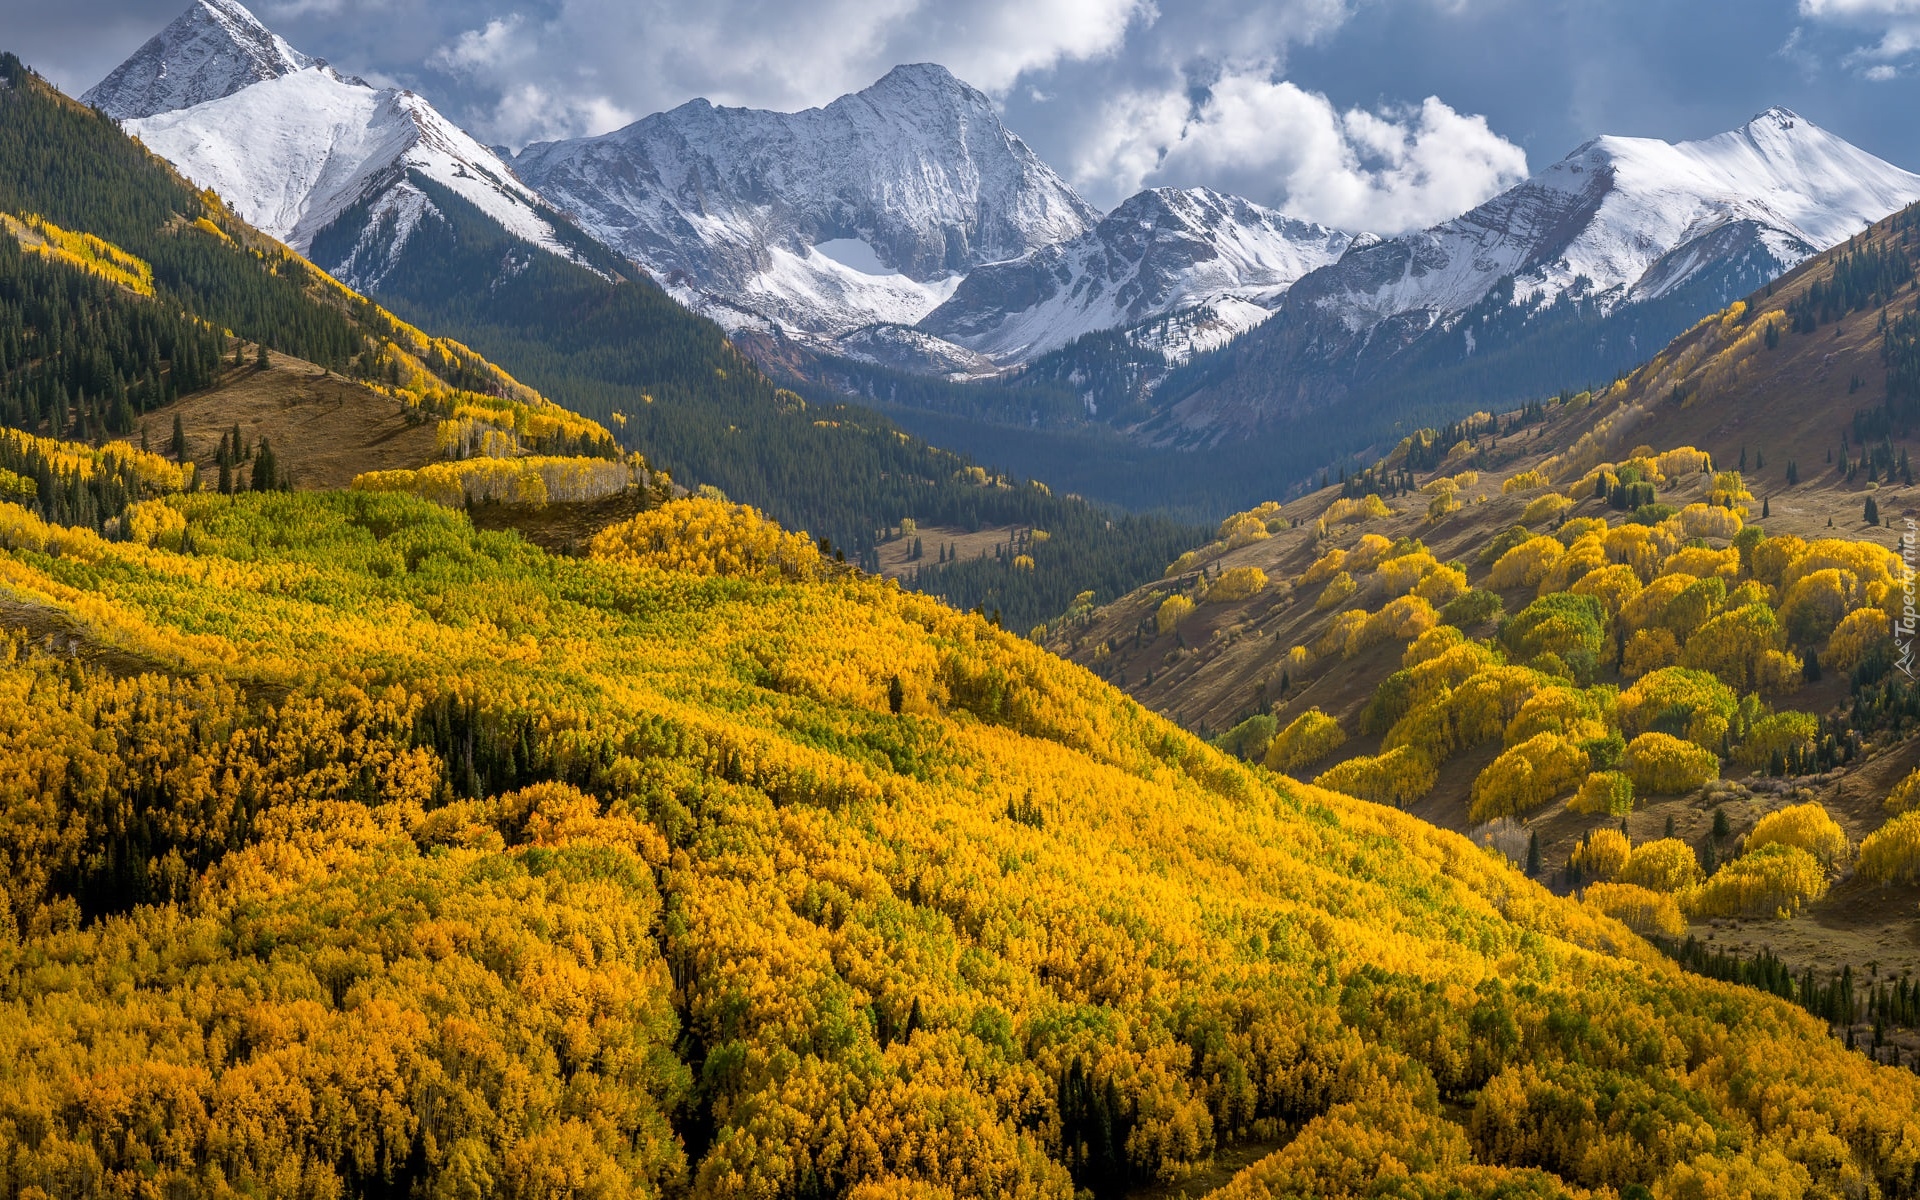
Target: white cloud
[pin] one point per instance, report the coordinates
(1388, 170)
(1895, 22)
(1871, 9)
(498, 43)
(650, 54)
(287, 10)
(529, 113)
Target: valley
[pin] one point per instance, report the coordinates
(541, 728)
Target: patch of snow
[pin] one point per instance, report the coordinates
(855, 253)
(1180, 335)
(818, 293)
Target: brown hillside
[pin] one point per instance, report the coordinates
(324, 427)
(896, 554)
(1793, 400)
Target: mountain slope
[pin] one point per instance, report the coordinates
(1620, 225)
(1162, 250)
(121, 284)
(1695, 505)
(77, 170)
(292, 154)
(390, 198)
(656, 839)
(1833, 366)
(913, 181)
(623, 352)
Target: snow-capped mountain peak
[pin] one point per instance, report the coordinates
(1799, 188)
(732, 202)
(294, 146)
(214, 49)
(1622, 225)
(1160, 251)
(1603, 222)
(920, 88)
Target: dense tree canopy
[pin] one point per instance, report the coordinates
(379, 855)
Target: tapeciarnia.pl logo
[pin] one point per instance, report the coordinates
(1903, 629)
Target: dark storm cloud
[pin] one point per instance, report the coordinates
(1365, 113)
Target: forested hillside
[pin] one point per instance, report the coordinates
(349, 848)
(124, 289)
(386, 858)
(84, 354)
(1583, 640)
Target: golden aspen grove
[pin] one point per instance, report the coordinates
(1643, 655)
(353, 852)
(1669, 683)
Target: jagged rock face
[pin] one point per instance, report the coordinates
(918, 167)
(904, 349)
(1160, 251)
(214, 49)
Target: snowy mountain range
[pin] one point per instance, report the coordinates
(1162, 251)
(905, 226)
(293, 145)
(1623, 220)
(1633, 237)
(870, 209)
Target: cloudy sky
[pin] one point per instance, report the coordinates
(1377, 114)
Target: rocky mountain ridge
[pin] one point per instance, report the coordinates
(868, 209)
